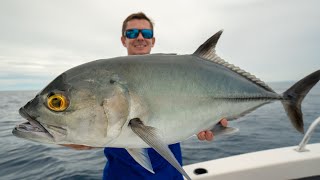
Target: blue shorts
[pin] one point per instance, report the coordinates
(121, 165)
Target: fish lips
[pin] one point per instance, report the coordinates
(32, 129)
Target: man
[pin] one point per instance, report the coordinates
(137, 37)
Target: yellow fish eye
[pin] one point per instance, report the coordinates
(57, 102)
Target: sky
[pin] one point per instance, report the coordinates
(276, 40)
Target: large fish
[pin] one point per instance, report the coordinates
(141, 101)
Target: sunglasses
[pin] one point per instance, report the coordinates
(134, 33)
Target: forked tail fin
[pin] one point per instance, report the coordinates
(293, 97)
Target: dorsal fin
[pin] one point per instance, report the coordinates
(207, 51)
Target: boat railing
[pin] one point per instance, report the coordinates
(307, 136)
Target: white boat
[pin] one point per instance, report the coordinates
(295, 162)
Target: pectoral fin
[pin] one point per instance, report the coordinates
(141, 156)
(219, 130)
(150, 135)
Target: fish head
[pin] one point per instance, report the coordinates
(67, 112)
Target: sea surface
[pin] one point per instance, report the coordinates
(266, 128)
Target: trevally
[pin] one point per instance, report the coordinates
(141, 101)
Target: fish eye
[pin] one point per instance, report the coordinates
(57, 102)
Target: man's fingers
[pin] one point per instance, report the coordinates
(209, 135)
(201, 136)
(205, 135)
(224, 122)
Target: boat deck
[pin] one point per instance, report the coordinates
(295, 162)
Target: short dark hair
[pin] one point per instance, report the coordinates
(139, 15)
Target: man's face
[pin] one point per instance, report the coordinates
(139, 45)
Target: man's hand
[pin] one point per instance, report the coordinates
(208, 135)
(77, 147)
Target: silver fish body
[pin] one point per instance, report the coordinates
(178, 95)
(141, 101)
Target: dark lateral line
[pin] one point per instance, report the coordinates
(248, 98)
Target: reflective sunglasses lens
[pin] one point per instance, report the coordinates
(132, 33)
(147, 33)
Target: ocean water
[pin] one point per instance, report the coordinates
(265, 128)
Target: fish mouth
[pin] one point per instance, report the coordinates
(32, 127)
